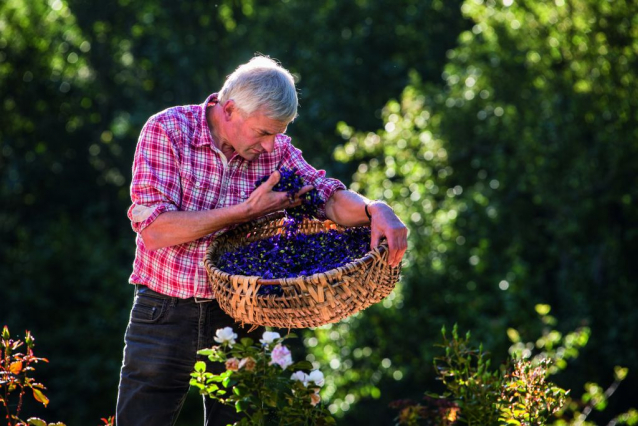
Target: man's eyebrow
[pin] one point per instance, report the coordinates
(268, 132)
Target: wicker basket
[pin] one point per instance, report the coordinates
(307, 301)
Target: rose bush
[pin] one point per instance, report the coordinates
(262, 381)
(16, 368)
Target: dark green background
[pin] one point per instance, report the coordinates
(543, 149)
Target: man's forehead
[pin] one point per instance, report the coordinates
(263, 122)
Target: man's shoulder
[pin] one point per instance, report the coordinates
(178, 124)
(177, 115)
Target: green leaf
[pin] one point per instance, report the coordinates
(197, 384)
(40, 397)
(241, 406)
(226, 381)
(34, 421)
(247, 341)
(620, 373)
(542, 309)
(200, 366)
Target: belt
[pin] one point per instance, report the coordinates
(141, 288)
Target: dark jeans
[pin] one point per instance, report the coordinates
(161, 343)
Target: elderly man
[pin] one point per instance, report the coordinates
(193, 176)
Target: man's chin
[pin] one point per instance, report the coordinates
(252, 155)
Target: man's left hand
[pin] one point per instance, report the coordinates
(385, 223)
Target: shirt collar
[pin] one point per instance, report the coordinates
(202, 135)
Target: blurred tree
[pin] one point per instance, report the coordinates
(351, 57)
(77, 81)
(519, 184)
(58, 189)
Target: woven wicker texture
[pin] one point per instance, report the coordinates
(307, 301)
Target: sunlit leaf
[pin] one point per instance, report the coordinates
(40, 397)
(15, 367)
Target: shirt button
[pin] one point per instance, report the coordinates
(243, 193)
(197, 184)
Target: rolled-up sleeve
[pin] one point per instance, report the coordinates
(293, 158)
(155, 185)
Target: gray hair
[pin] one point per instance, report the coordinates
(262, 84)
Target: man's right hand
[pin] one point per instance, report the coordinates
(264, 200)
(177, 227)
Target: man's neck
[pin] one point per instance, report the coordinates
(213, 117)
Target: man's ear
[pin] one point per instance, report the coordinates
(229, 109)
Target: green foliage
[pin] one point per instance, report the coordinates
(552, 344)
(576, 411)
(256, 384)
(77, 82)
(466, 375)
(527, 398)
(518, 183)
(516, 393)
(515, 171)
(558, 349)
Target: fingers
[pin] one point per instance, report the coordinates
(397, 243)
(397, 247)
(295, 199)
(273, 179)
(305, 189)
(375, 238)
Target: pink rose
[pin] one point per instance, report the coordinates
(281, 356)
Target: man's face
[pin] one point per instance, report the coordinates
(253, 134)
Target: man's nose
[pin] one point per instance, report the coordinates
(269, 144)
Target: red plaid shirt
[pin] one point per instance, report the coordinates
(178, 168)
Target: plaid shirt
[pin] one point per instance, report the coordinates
(178, 168)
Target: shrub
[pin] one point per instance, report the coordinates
(262, 381)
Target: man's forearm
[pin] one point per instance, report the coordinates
(347, 208)
(172, 228)
(178, 227)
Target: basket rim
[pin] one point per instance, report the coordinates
(366, 259)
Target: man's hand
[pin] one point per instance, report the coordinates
(386, 224)
(264, 200)
(177, 227)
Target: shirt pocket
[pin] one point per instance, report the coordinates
(241, 189)
(199, 192)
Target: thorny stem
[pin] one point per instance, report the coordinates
(20, 401)
(6, 390)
